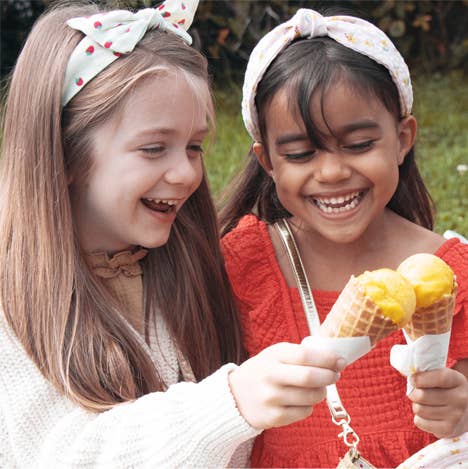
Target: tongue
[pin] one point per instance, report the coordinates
(159, 206)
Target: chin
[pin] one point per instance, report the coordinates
(343, 238)
(154, 243)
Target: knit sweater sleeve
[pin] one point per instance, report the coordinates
(191, 424)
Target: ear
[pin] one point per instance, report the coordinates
(262, 157)
(407, 129)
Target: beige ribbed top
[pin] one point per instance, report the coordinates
(122, 275)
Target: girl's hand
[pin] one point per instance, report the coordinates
(440, 402)
(282, 383)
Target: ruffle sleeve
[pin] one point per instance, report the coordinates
(455, 254)
(261, 292)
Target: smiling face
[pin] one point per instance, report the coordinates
(338, 192)
(147, 161)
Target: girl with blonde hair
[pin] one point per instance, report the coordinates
(119, 339)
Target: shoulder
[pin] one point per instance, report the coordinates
(455, 254)
(247, 224)
(244, 242)
(250, 259)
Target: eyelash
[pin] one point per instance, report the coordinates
(196, 148)
(360, 146)
(152, 150)
(299, 157)
(156, 150)
(306, 156)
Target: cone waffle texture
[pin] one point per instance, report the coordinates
(433, 319)
(355, 315)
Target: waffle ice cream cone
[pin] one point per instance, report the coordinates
(433, 319)
(356, 314)
(435, 287)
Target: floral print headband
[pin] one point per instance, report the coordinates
(111, 34)
(354, 33)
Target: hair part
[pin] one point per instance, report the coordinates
(305, 69)
(69, 324)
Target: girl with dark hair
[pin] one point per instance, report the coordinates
(327, 101)
(119, 335)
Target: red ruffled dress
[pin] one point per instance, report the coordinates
(371, 390)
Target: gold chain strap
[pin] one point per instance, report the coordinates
(338, 413)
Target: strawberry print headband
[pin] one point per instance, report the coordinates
(109, 35)
(351, 32)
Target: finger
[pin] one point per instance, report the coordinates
(295, 354)
(439, 428)
(442, 378)
(433, 396)
(302, 397)
(305, 376)
(429, 412)
(455, 397)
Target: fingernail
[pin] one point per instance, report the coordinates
(340, 364)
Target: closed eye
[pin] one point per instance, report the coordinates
(152, 150)
(196, 149)
(360, 146)
(300, 157)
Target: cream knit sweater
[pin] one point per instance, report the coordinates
(189, 425)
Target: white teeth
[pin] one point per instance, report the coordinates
(337, 200)
(163, 201)
(325, 204)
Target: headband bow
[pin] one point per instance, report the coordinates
(351, 32)
(111, 34)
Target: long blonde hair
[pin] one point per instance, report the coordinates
(68, 323)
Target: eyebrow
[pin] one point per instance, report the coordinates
(346, 129)
(167, 131)
(360, 125)
(288, 138)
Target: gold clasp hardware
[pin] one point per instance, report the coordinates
(350, 437)
(339, 414)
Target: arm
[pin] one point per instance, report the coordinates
(191, 424)
(440, 400)
(188, 425)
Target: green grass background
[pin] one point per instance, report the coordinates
(441, 110)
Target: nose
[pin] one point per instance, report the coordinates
(331, 168)
(184, 170)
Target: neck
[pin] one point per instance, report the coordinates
(329, 264)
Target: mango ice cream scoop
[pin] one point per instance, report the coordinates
(435, 287)
(373, 304)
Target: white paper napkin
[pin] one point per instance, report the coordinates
(427, 353)
(350, 348)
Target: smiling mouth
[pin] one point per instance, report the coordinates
(338, 204)
(160, 205)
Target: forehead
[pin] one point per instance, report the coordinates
(160, 104)
(170, 97)
(329, 109)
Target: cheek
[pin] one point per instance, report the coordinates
(199, 173)
(290, 178)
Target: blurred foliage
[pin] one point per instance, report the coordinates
(441, 149)
(430, 34)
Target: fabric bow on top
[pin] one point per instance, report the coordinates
(110, 34)
(351, 32)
